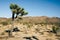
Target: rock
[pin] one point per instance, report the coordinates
(35, 37)
(7, 30)
(27, 38)
(16, 29)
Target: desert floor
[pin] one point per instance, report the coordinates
(28, 32)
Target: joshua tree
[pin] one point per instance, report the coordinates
(18, 11)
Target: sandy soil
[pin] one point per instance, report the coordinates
(38, 31)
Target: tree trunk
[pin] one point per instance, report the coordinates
(12, 16)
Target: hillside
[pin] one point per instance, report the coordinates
(42, 19)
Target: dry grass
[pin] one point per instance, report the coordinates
(30, 26)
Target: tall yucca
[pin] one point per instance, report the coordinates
(17, 10)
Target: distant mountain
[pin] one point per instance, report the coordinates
(37, 19)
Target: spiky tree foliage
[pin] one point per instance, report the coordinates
(17, 10)
(22, 12)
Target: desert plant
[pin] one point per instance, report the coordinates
(48, 39)
(2, 33)
(54, 29)
(29, 25)
(18, 11)
(4, 23)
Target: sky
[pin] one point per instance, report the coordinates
(50, 8)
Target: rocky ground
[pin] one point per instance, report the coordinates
(30, 28)
(28, 32)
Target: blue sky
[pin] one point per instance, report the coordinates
(50, 8)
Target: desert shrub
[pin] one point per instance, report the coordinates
(48, 39)
(58, 38)
(37, 29)
(36, 23)
(29, 25)
(57, 24)
(42, 33)
(4, 23)
(54, 29)
(24, 23)
(42, 24)
(2, 33)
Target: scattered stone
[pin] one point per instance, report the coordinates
(7, 30)
(35, 37)
(27, 38)
(16, 30)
